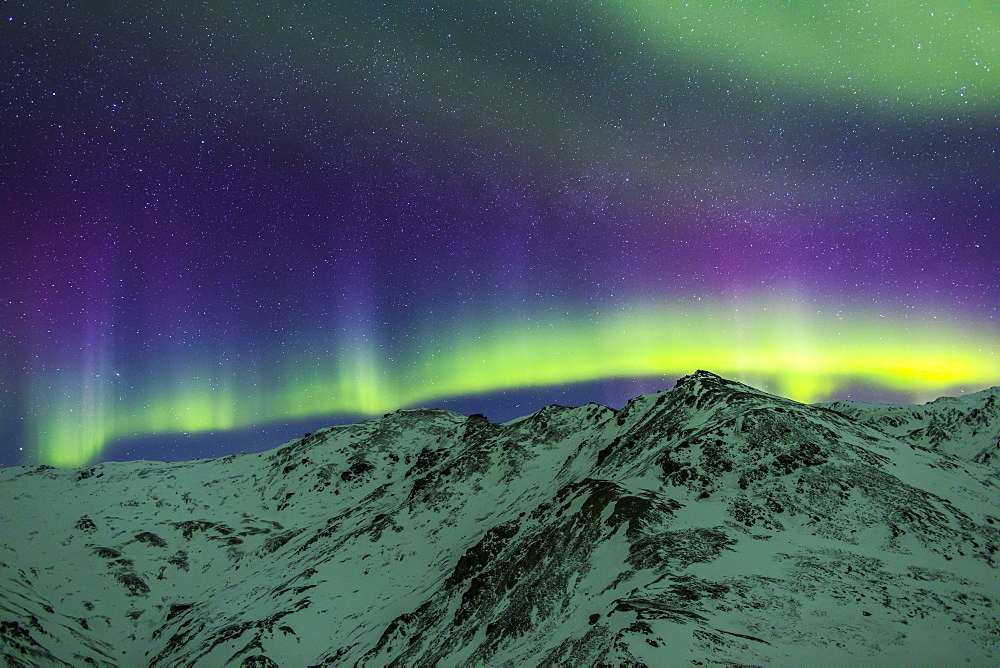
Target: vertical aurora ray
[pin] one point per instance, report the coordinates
(350, 207)
(807, 355)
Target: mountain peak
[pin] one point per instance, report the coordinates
(701, 374)
(711, 523)
(702, 380)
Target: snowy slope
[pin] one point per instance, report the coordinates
(710, 523)
(967, 426)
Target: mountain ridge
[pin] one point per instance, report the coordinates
(712, 522)
(967, 426)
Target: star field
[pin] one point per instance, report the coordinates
(222, 218)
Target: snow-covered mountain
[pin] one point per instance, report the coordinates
(712, 523)
(967, 426)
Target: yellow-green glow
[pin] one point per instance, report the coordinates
(782, 346)
(933, 54)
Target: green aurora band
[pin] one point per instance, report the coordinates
(934, 55)
(784, 347)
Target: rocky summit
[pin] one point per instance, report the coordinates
(709, 524)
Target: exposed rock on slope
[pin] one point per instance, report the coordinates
(709, 523)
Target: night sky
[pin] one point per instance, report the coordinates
(225, 223)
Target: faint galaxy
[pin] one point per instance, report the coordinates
(221, 218)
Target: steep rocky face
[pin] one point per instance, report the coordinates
(709, 523)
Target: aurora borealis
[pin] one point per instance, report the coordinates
(217, 216)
